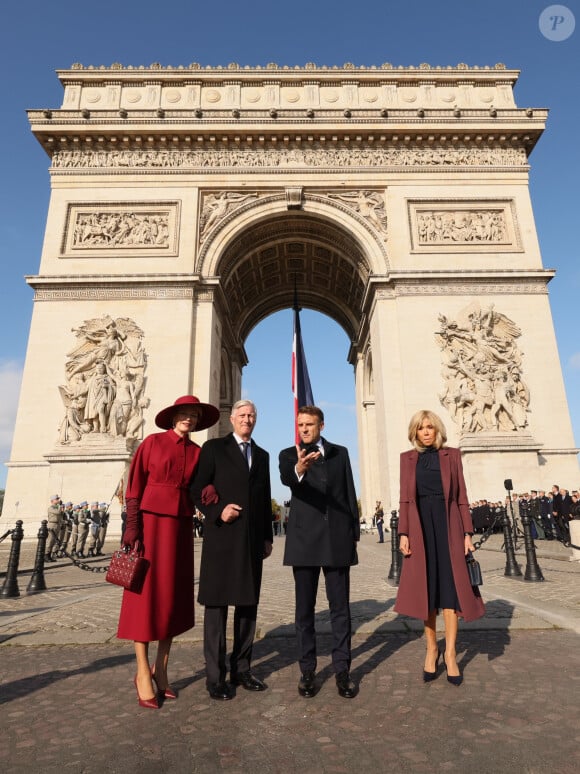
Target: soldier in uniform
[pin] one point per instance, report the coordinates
(74, 529)
(65, 528)
(94, 527)
(546, 515)
(83, 531)
(54, 517)
(104, 513)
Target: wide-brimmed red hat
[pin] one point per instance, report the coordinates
(209, 414)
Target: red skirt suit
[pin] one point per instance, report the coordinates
(160, 475)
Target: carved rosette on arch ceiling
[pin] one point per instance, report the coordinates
(103, 394)
(482, 371)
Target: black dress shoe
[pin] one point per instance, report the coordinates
(306, 686)
(220, 691)
(248, 681)
(346, 688)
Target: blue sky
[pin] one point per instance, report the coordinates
(37, 38)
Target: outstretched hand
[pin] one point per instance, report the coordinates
(305, 460)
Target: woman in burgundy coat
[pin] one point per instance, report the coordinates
(435, 530)
(160, 521)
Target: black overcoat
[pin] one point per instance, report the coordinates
(323, 526)
(232, 553)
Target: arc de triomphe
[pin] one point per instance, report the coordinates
(185, 202)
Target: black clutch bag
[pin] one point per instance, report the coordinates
(127, 569)
(473, 570)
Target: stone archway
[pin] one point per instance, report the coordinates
(320, 249)
(186, 201)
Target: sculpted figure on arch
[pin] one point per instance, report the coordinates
(482, 371)
(105, 381)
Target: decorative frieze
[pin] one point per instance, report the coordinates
(115, 228)
(250, 159)
(346, 86)
(455, 287)
(444, 227)
(476, 226)
(146, 292)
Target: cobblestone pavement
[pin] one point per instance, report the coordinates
(68, 703)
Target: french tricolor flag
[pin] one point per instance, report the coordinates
(300, 379)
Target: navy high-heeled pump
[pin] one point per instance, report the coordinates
(453, 679)
(429, 676)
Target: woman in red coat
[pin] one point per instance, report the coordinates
(160, 521)
(435, 530)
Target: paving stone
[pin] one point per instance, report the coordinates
(69, 705)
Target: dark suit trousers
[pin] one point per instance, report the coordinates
(214, 640)
(338, 593)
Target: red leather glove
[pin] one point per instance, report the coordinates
(209, 495)
(134, 524)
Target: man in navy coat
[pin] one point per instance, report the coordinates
(323, 529)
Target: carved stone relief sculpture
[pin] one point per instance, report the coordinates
(484, 389)
(130, 227)
(370, 205)
(121, 229)
(103, 394)
(212, 160)
(461, 226)
(217, 206)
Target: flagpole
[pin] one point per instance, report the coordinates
(301, 387)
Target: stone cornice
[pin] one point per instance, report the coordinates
(443, 281)
(402, 128)
(79, 287)
(310, 71)
(196, 107)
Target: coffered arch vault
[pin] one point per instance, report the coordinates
(265, 252)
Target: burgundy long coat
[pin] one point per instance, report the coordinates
(412, 593)
(160, 475)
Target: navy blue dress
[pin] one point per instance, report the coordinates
(431, 501)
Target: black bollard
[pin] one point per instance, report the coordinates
(10, 587)
(512, 568)
(37, 582)
(395, 571)
(533, 572)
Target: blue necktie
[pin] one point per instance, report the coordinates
(246, 451)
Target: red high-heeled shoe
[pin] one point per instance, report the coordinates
(147, 703)
(167, 693)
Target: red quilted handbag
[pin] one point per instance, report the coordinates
(127, 569)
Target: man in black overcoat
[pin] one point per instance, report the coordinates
(232, 489)
(323, 529)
